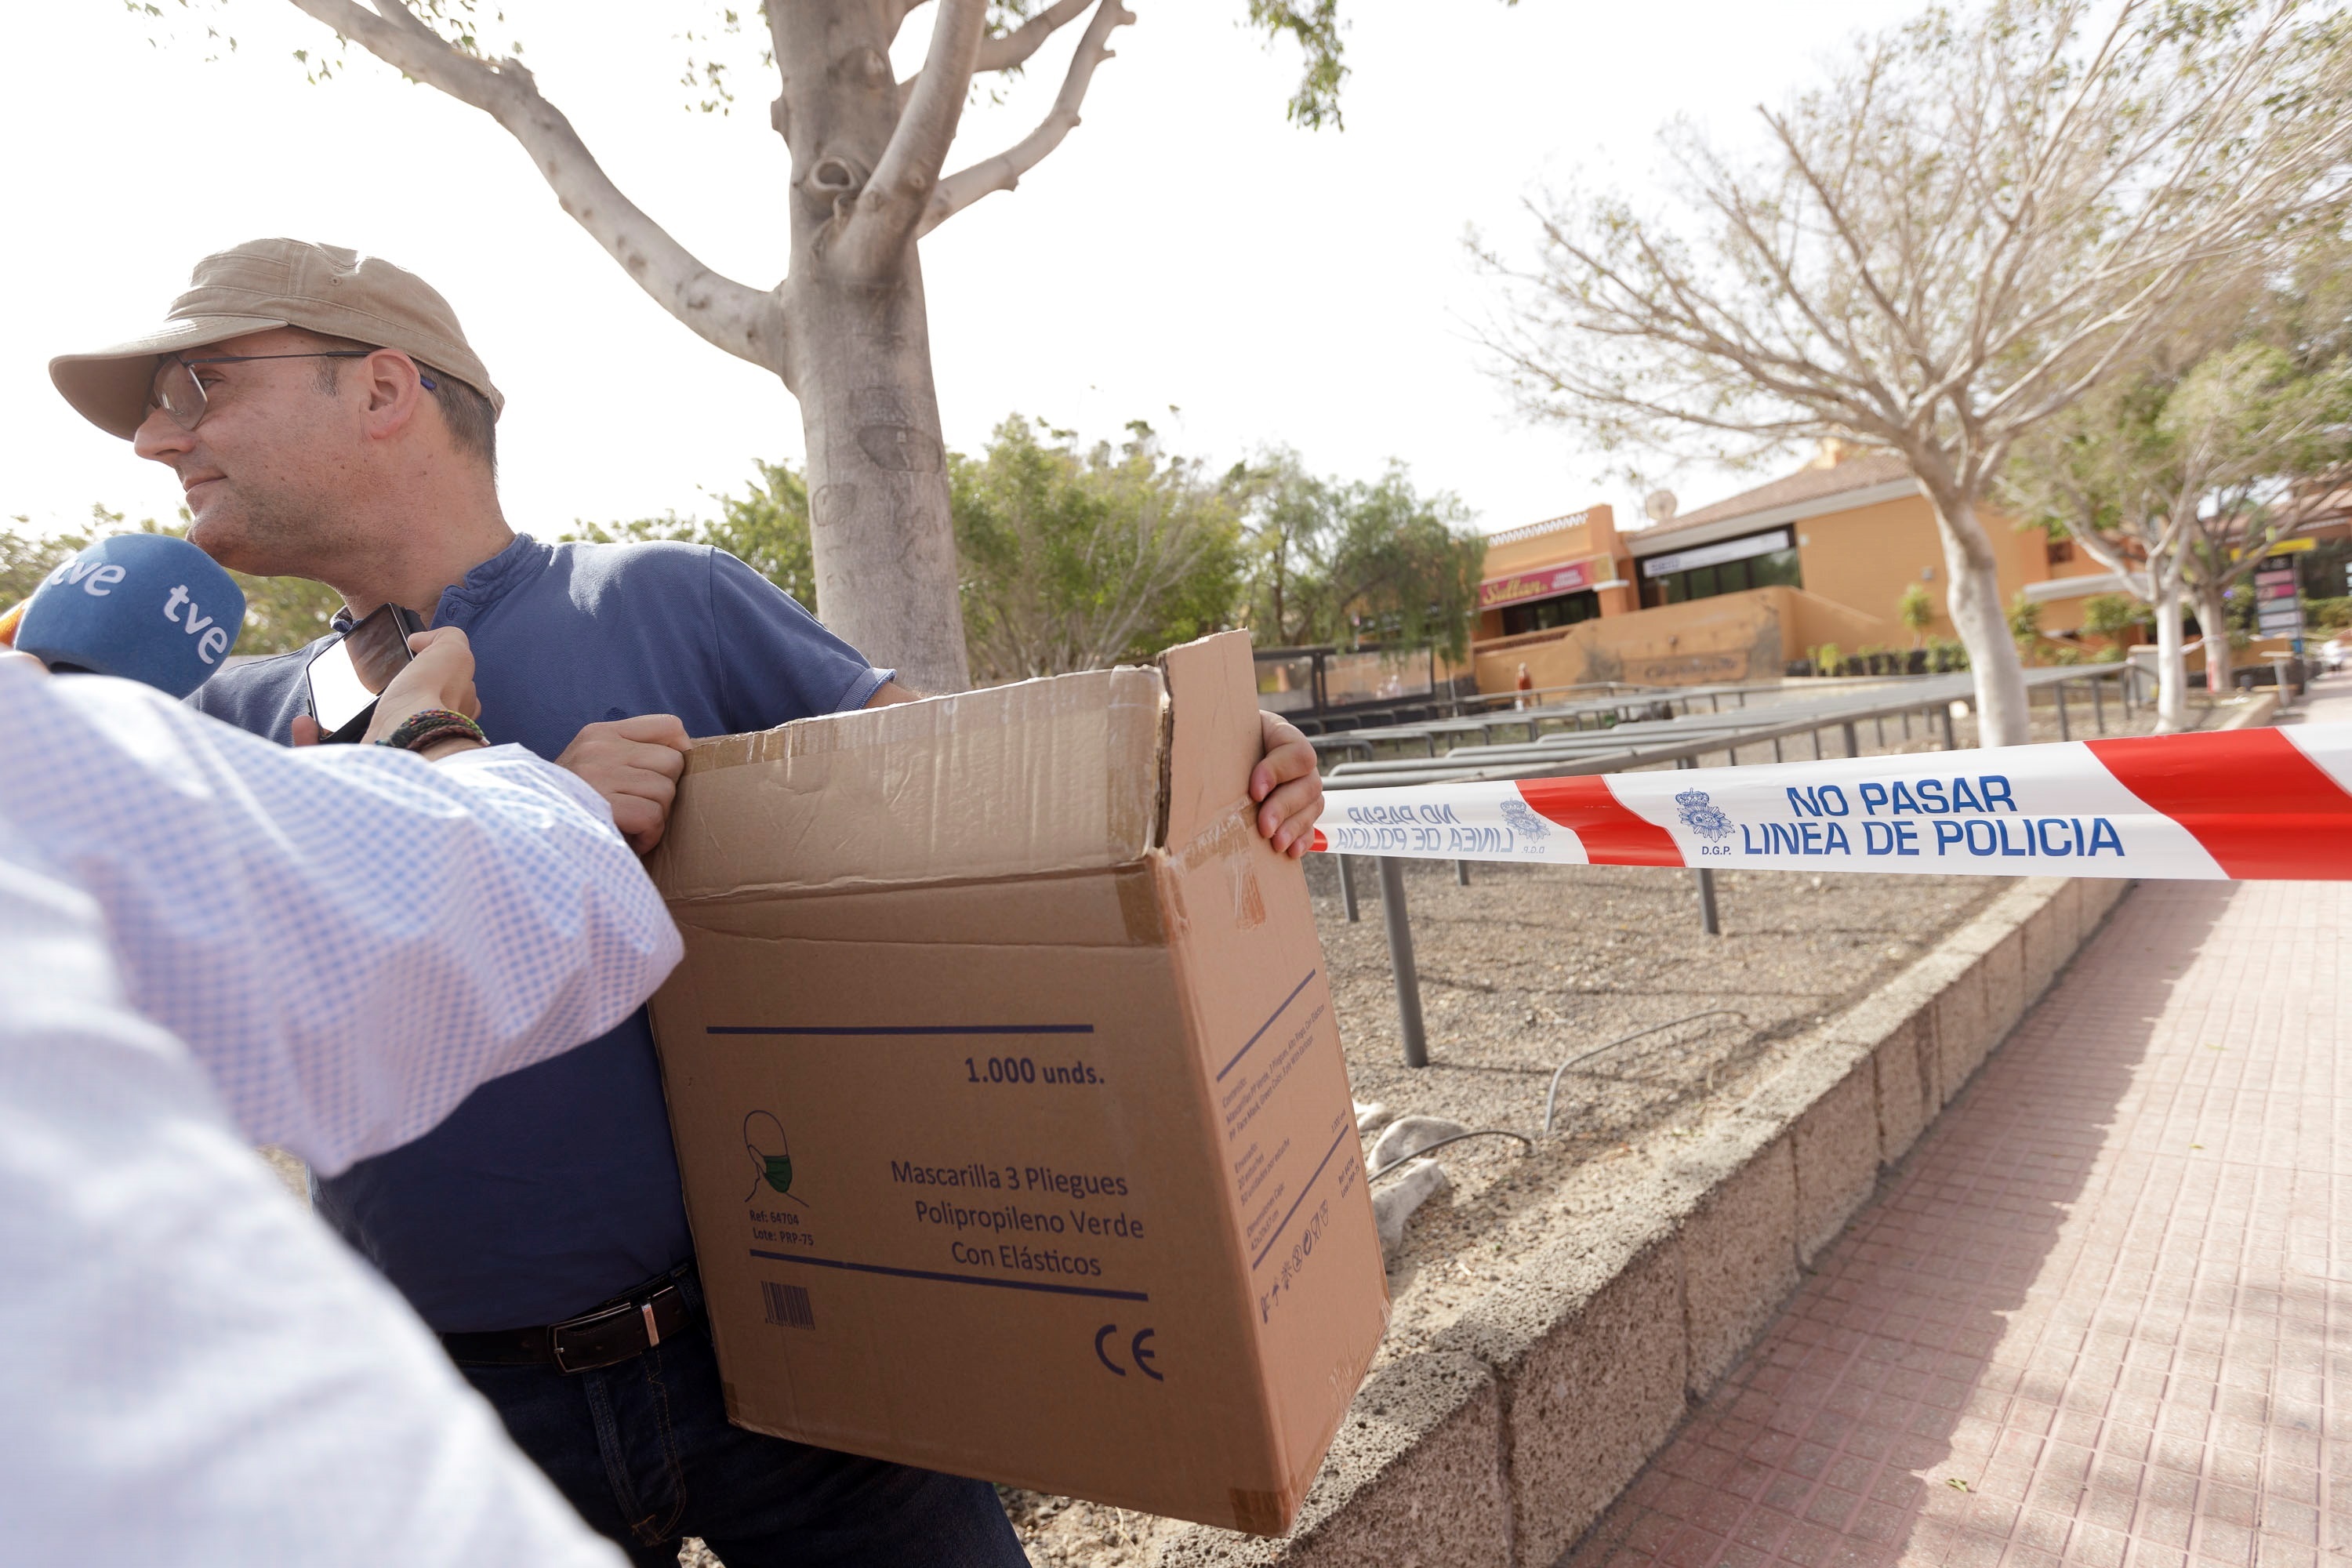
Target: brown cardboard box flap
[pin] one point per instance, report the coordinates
(1212, 699)
(1044, 776)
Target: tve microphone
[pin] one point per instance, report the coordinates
(146, 606)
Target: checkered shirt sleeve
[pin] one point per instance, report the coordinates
(349, 937)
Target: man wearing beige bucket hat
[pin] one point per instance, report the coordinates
(328, 419)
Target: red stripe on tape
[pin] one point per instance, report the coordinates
(1321, 846)
(1611, 835)
(2258, 807)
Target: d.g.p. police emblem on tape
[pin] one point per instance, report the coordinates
(1702, 816)
(1521, 818)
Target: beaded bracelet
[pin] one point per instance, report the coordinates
(426, 726)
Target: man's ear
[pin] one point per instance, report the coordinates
(394, 390)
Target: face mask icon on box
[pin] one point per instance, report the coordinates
(770, 1154)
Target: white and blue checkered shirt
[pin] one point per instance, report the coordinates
(207, 940)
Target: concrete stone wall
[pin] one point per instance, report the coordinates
(1502, 1445)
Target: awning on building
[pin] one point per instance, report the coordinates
(2075, 587)
(1715, 554)
(1517, 587)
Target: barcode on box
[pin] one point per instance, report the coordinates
(788, 1305)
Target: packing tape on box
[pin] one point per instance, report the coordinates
(2254, 803)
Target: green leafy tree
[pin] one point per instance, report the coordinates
(281, 614)
(25, 558)
(2115, 616)
(767, 527)
(1078, 558)
(1358, 563)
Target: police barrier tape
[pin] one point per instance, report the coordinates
(2246, 804)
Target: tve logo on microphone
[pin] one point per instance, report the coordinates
(147, 606)
(214, 641)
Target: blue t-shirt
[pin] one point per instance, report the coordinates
(553, 1188)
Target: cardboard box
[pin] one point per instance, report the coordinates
(1007, 1092)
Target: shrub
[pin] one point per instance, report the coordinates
(1915, 611)
(2113, 615)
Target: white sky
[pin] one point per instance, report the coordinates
(1186, 245)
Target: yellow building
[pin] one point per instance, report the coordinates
(1736, 590)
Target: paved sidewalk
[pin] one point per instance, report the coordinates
(2103, 1315)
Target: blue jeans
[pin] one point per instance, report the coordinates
(644, 1451)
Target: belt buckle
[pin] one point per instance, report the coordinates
(555, 1332)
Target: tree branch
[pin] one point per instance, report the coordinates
(747, 322)
(886, 214)
(1004, 172)
(1005, 51)
(1009, 50)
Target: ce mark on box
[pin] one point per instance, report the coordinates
(1138, 1351)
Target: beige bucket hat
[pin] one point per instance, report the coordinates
(266, 283)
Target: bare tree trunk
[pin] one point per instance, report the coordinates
(878, 523)
(2171, 665)
(1977, 614)
(861, 354)
(2214, 620)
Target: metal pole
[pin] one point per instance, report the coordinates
(1461, 873)
(1952, 739)
(1710, 921)
(1852, 741)
(2099, 704)
(1408, 979)
(1348, 889)
(2065, 731)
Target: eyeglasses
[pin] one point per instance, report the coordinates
(178, 392)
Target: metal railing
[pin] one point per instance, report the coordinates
(1450, 702)
(1620, 707)
(1791, 721)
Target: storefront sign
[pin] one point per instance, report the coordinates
(2278, 610)
(1543, 584)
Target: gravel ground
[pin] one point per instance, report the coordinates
(1527, 967)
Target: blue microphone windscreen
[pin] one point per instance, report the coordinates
(145, 607)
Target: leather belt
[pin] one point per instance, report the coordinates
(605, 1336)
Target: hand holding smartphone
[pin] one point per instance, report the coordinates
(349, 673)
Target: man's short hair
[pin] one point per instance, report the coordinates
(473, 423)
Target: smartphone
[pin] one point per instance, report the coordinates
(350, 673)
